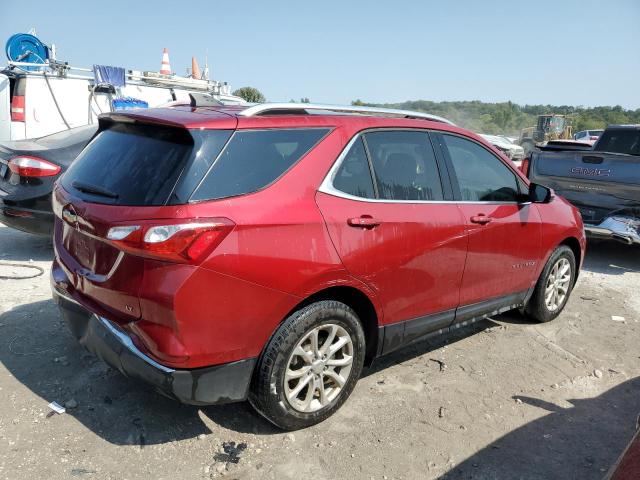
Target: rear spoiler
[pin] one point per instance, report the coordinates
(557, 145)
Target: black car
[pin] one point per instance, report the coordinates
(28, 169)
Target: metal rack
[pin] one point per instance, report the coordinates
(63, 70)
(265, 108)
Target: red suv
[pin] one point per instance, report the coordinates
(268, 252)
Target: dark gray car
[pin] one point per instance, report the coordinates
(28, 169)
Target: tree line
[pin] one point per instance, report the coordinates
(506, 118)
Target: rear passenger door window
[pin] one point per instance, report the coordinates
(481, 176)
(404, 165)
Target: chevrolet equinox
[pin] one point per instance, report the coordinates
(268, 252)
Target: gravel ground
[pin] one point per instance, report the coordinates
(503, 399)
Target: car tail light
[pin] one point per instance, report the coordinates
(17, 108)
(189, 241)
(26, 166)
(524, 167)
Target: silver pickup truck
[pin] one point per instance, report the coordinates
(603, 181)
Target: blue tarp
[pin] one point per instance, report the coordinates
(128, 103)
(110, 75)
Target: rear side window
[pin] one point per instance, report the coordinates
(130, 165)
(404, 165)
(254, 159)
(620, 141)
(353, 176)
(481, 175)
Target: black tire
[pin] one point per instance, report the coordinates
(267, 392)
(536, 307)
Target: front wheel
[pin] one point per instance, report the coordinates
(310, 366)
(554, 286)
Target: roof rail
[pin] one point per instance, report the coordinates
(264, 108)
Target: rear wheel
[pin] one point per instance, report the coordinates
(310, 366)
(554, 286)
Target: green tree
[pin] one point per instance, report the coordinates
(509, 118)
(250, 94)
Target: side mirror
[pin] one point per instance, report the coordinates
(539, 193)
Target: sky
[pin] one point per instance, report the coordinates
(559, 52)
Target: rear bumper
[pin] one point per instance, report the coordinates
(217, 384)
(622, 228)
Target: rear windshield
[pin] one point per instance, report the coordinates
(130, 165)
(620, 141)
(254, 159)
(145, 165)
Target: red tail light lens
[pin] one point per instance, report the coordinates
(17, 108)
(524, 167)
(26, 166)
(188, 241)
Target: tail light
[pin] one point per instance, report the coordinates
(524, 167)
(26, 166)
(17, 108)
(185, 242)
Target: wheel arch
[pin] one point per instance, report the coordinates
(574, 244)
(360, 303)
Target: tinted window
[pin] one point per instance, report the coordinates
(481, 175)
(353, 176)
(404, 165)
(130, 165)
(620, 141)
(207, 147)
(255, 158)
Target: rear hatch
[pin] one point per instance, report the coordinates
(598, 183)
(128, 173)
(138, 196)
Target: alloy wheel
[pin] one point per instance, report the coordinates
(318, 368)
(558, 283)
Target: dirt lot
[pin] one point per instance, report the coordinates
(504, 399)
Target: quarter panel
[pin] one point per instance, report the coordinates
(560, 221)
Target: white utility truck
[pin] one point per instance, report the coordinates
(40, 95)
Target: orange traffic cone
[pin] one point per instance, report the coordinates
(195, 69)
(166, 68)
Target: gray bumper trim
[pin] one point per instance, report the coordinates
(216, 384)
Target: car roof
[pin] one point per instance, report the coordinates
(623, 127)
(275, 115)
(215, 115)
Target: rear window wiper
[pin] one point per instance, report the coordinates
(93, 189)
